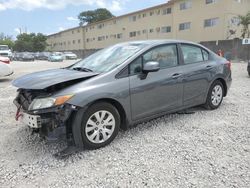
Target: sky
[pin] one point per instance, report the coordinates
(51, 16)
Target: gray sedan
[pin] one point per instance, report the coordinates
(120, 86)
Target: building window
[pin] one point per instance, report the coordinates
(88, 40)
(139, 16)
(73, 41)
(101, 38)
(151, 13)
(151, 30)
(78, 30)
(132, 18)
(119, 36)
(79, 41)
(166, 11)
(211, 22)
(144, 31)
(211, 1)
(132, 34)
(166, 29)
(185, 26)
(158, 12)
(72, 32)
(185, 5)
(144, 15)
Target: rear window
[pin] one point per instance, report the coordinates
(191, 54)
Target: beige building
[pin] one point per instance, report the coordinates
(194, 20)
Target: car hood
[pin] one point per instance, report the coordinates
(45, 79)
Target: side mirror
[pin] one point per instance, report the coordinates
(151, 66)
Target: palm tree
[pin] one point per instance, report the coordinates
(245, 22)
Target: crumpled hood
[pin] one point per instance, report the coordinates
(45, 79)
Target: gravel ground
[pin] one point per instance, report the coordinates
(205, 149)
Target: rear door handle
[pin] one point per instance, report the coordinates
(176, 75)
(209, 67)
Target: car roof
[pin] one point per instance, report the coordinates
(155, 42)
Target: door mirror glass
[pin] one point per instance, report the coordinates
(151, 66)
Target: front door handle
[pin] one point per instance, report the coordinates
(176, 75)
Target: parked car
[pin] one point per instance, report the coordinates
(17, 56)
(56, 57)
(5, 51)
(69, 55)
(120, 86)
(43, 56)
(26, 56)
(248, 68)
(4, 60)
(5, 68)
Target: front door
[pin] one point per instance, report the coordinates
(157, 91)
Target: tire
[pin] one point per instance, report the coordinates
(215, 96)
(95, 134)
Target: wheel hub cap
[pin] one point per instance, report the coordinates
(100, 126)
(217, 94)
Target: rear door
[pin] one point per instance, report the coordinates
(198, 69)
(157, 91)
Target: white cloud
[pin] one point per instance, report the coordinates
(61, 28)
(70, 18)
(115, 6)
(17, 30)
(29, 5)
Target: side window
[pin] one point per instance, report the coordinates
(191, 54)
(136, 66)
(165, 55)
(205, 55)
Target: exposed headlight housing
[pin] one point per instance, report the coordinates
(42, 103)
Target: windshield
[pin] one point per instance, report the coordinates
(108, 58)
(4, 48)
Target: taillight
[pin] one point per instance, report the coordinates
(229, 64)
(7, 61)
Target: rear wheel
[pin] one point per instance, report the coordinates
(99, 125)
(215, 95)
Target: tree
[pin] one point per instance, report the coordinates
(39, 42)
(6, 40)
(92, 16)
(30, 42)
(245, 22)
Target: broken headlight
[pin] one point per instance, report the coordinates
(41, 103)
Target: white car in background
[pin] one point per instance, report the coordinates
(69, 55)
(5, 51)
(5, 68)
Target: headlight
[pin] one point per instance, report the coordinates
(41, 103)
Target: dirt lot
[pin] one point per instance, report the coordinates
(205, 149)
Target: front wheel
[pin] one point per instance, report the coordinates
(215, 96)
(99, 125)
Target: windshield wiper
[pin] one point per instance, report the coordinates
(82, 69)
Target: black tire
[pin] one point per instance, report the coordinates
(209, 104)
(80, 124)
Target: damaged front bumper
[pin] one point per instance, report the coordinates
(51, 123)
